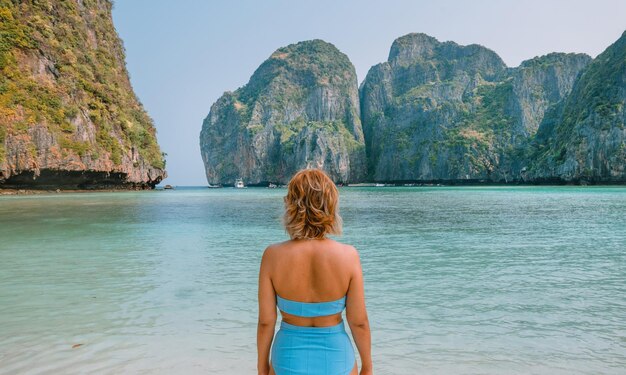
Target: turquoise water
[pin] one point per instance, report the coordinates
(482, 280)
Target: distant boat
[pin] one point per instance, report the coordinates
(379, 185)
(272, 186)
(239, 184)
(215, 186)
(168, 187)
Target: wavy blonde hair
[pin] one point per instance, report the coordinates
(312, 206)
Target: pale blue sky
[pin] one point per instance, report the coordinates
(182, 55)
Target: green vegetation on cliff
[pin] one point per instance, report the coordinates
(62, 67)
(585, 136)
(300, 108)
(442, 111)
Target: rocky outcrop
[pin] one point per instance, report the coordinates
(440, 111)
(68, 115)
(299, 109)
(432, 112)
(583, 139)
(538, 84)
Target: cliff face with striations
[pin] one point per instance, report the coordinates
(299, 109)
(584, 137)
(441, 111)
(432, 112)
(68, 115)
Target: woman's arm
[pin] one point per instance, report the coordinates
(267, 316)
(357, 316)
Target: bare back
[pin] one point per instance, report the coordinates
(311, 271)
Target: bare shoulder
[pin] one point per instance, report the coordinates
(270, 252)
(344, 246)
(276, 247)
(346, 250)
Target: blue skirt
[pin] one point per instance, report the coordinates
(300, 350)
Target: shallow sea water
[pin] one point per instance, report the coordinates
(459, 280)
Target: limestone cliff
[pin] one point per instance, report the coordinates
(584, 137)
(68, 115)
(300, 108)
(441, 111)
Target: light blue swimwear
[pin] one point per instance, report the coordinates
(298, 350)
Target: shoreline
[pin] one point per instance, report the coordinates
(4, 191)
(460, 183)
(473, 183)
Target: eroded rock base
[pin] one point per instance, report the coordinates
(73, 180)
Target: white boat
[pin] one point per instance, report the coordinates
(239, 184)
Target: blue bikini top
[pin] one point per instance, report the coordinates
(311, 309)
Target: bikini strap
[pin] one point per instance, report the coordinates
(311, 309)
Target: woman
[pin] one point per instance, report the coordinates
(311, 279)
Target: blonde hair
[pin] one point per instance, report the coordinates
(311, 206)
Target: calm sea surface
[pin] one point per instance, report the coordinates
(480, 280)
